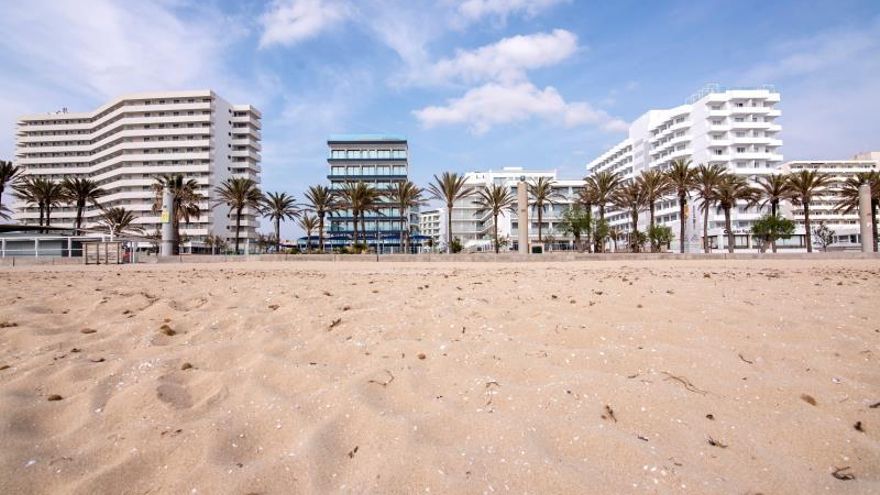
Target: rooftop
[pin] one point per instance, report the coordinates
(365, 138)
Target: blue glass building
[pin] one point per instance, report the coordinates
(376, 159)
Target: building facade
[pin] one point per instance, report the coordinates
(127, 143)
(823, 209)
(475, 228)
(377, 160)
(735, 128)
(431, 224)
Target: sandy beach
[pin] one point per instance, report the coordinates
(739, 377)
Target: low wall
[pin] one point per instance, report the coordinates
(454, 258)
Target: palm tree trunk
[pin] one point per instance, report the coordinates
(600, 248)
(277, 235)
(495, 229)
(727, 225)
(237, 227)
(682, 204)
(354, 239)
(79, 214)
(449, 228)
(808, 233)
(321, 231)
(651, 225)
(540, 208)
(706, 227)
(634, 241)
(774, 205)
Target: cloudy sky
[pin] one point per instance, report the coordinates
(473, 84)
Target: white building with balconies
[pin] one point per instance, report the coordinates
(475, 229)
(735, 128)
(127, 143)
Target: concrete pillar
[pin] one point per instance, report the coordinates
(522, 207)
(2, 248)
(36, 248)
(166, 247)
(865, 218)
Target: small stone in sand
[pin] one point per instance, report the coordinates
(858, 426)
(422, 355)
(273, 307)
(8, 324)
(186, 366)
(167, 330)
(4, 367)
(54, 397)
(808, 399)
(87, 330)
(710, 417)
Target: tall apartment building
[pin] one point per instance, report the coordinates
(735, 128)
(380, 161)
(823, 208)
(127, 143)
(475, 229)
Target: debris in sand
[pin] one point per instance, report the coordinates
(327, 294)
(716, 443)
(858, 426)
(842, 474)
(490, 392)
(75, 350)
(87, 330)
(4, 367)
(384, 384)
(609, 414)
(875, 405)
(334, 323)
(352, 452)
(745, 360)
(8, 324)
(808, 399)
(684, 381)
(54, 397)
(186, 366)
(707, 275)
(710, 417)
(644, 439)
(273, 307)
(97, 360)
(167, 330)
(421, 355)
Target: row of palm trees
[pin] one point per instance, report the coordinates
(714, 186)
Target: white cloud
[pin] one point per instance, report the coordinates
(505, 60)
(493, 104)
(288, 22)
(477, 9)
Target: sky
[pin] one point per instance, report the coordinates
(473, 84)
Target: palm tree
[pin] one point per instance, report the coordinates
(239, 193)
(804, 186)
(186, 200)
(214, 242)
(371, 201)
(682, 179)
(359, 197)
(78, 191)
(728, 192)
(773, 188)
(44, 193)
(405, 195)
(654, 185)
(9, 175)
(542, 193)
(308, 223)
(449, 188)
(587, 197)
(848, 194)
(495, 199)
(279, 207)
(604, 184)
(117, 220)
(349, 198)
(631, 196)
(705, 183)
(322, 201)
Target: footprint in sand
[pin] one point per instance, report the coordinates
(174, 395)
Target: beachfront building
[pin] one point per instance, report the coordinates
(127, 143)
(379, 160)
(431, 224)
(735, 128)
(823, 209)
(474, 228)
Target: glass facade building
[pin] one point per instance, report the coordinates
(380, 161)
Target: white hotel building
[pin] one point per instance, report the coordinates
(475, 229)
(735, 128)
(127, 143)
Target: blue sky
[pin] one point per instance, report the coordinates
(473, 84)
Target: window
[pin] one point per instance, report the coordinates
(740, 149)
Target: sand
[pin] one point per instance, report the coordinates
(738, 377)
